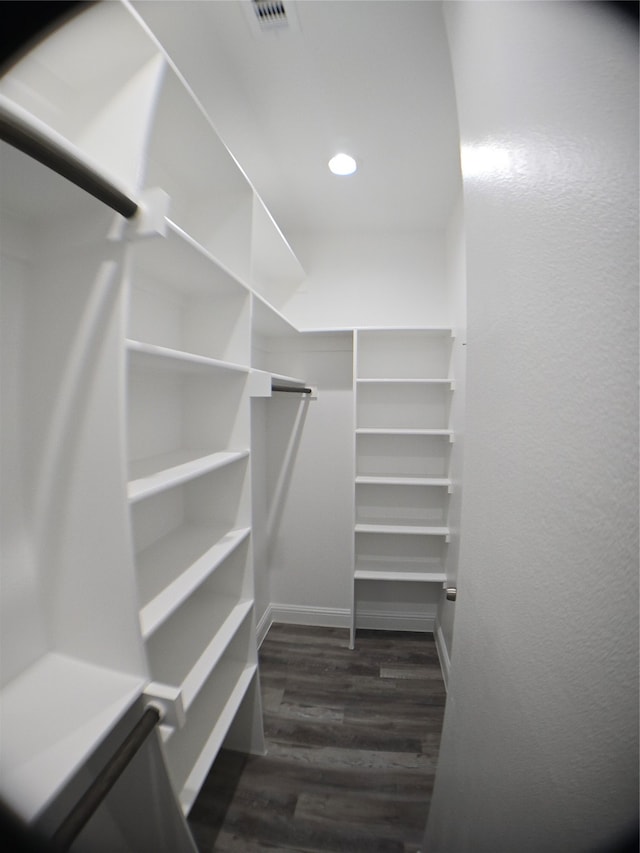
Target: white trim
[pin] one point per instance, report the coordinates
(386, 621)
(298, 614)
(340, 617)
(264, 623)
(443, 654)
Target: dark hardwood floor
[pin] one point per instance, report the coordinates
(352, 742)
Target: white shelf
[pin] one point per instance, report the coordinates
(184, 299)
(412, 577)
(224, 717)
(268, 321)
(173, 567)
(288, 380)
(404, 381)
(385, 431)
(198, 653)
(405, 529)
(178, 260)
(157, 473)
(152, 357)
(275, 270)
(53, 716)
(207, 273)
(403, 481)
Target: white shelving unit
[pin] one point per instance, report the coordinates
(189, 352)
(127, 372)
(402, 401)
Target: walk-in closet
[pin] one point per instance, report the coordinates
(260, 416)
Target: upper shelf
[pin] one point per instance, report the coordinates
(152, 357)
(276, 273)
(267, 321)
(184, 264)
(152, 475)
(210, 197)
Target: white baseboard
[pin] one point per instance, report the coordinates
(381, 620)
(298, 614)
(338, 617)
(443, 655)
(263, 625)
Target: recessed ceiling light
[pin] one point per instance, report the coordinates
(342, 164)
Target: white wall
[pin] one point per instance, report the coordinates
(457, 282)
(370, 279)
(539, 747)
(309, 484)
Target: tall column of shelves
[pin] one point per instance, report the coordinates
(402, 401)
(189, 353)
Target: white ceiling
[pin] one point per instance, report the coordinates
(371, 77)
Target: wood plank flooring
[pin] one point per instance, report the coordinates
(352, 743)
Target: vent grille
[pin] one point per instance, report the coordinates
(270, 13)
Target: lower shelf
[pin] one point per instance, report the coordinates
(173, 567)
(415, 577)
(192, 750)
(200, 653)
(54, 715)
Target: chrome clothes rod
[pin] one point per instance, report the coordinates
(26, 138)
(93, 797)
(291, 389)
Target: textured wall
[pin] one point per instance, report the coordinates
(539, 748)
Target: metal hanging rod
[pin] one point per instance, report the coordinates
(290, 389)
(19, 133)
(93, 797)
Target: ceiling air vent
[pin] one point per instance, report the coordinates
(270, 13)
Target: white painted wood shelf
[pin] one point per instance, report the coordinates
(402, 431)
(153, 357)
(403, 529)
(173, 567)
(404, 381)
(188, 667)
(395, 576)
(191, 759)
(403, 481)
(157, 473)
